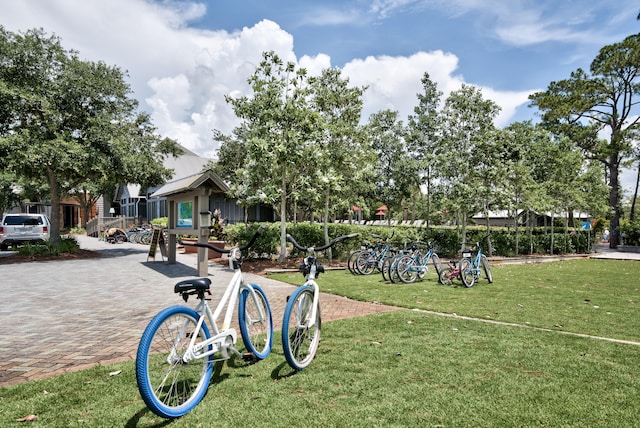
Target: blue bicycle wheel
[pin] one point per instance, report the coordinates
(299, 339)
(254, 317)
(170, 385)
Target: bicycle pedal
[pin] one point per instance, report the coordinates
(248, 356)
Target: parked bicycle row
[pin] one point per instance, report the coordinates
(413, 261)
(137, 235)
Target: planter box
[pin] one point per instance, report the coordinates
(189, 249)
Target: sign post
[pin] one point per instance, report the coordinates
(157, 240)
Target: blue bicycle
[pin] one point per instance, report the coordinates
(411, 267)
(472, 265)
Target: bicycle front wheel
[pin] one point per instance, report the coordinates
(365, 263)
(254, 317)
(407, 270)
(487, 270)
(351, 262)
(170, 385)
(300, 338)
(466, 273)
(437, 264)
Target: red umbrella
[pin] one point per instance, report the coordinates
(382, 208)
(380, 213)
(356, 208)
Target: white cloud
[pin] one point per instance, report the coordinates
(181, 74)
(508, 101)
(394, 82)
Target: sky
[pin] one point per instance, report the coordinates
(184, 56)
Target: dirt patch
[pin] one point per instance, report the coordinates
(19, 258)
(262, 266)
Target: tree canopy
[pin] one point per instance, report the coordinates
(606, 99)
(67, 122)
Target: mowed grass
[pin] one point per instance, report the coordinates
(410, 367)
(596, 297)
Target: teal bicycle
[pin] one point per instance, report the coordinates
(472, 265)
(411, 267)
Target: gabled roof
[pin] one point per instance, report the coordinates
(192, 182)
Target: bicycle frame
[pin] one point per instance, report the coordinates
(421, 261)
(311, 282)
(219, 339)
(474, 260)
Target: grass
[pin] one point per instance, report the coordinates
(407, 367)
(596, 297)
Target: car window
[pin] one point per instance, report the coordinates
(15, 220)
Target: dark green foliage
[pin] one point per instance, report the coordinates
(631, 233)
(66, 245)
(446, 241)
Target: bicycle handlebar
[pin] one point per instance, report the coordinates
(323, 247)
(223, 250)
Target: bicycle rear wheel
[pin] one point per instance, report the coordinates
(299, 340)
(444, 277)
(169, 385)
(254, 317)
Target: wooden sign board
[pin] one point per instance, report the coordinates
(157, 240)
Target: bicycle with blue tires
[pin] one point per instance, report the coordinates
(179, 347)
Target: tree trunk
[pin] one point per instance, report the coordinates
(614, 201)
(283, 220)
(54, 235)
(463, 232)
(632, 216)
(325, 220)
(553, 223)
(515, 217)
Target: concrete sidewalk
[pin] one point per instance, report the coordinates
(62, 316)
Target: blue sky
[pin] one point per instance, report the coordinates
(184, 56)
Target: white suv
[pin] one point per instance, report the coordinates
(17, 229)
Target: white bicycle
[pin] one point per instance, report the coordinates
(301, 322)
(177, 350)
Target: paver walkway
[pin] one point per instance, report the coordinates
(62, 316)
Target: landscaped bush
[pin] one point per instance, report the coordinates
(160, 221)
(631, 232)
(446, 240)
(66, 245)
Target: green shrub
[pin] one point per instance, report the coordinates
(265, 246)
(160, 222)
(66, 245)
(446, 240)
(631, 232)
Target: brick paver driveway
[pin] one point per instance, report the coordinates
(60, 316)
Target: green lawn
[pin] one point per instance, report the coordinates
(411, 368)
(596, 297)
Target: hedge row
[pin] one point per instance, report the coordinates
(446, 240)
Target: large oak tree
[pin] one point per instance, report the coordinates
(66, 121)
